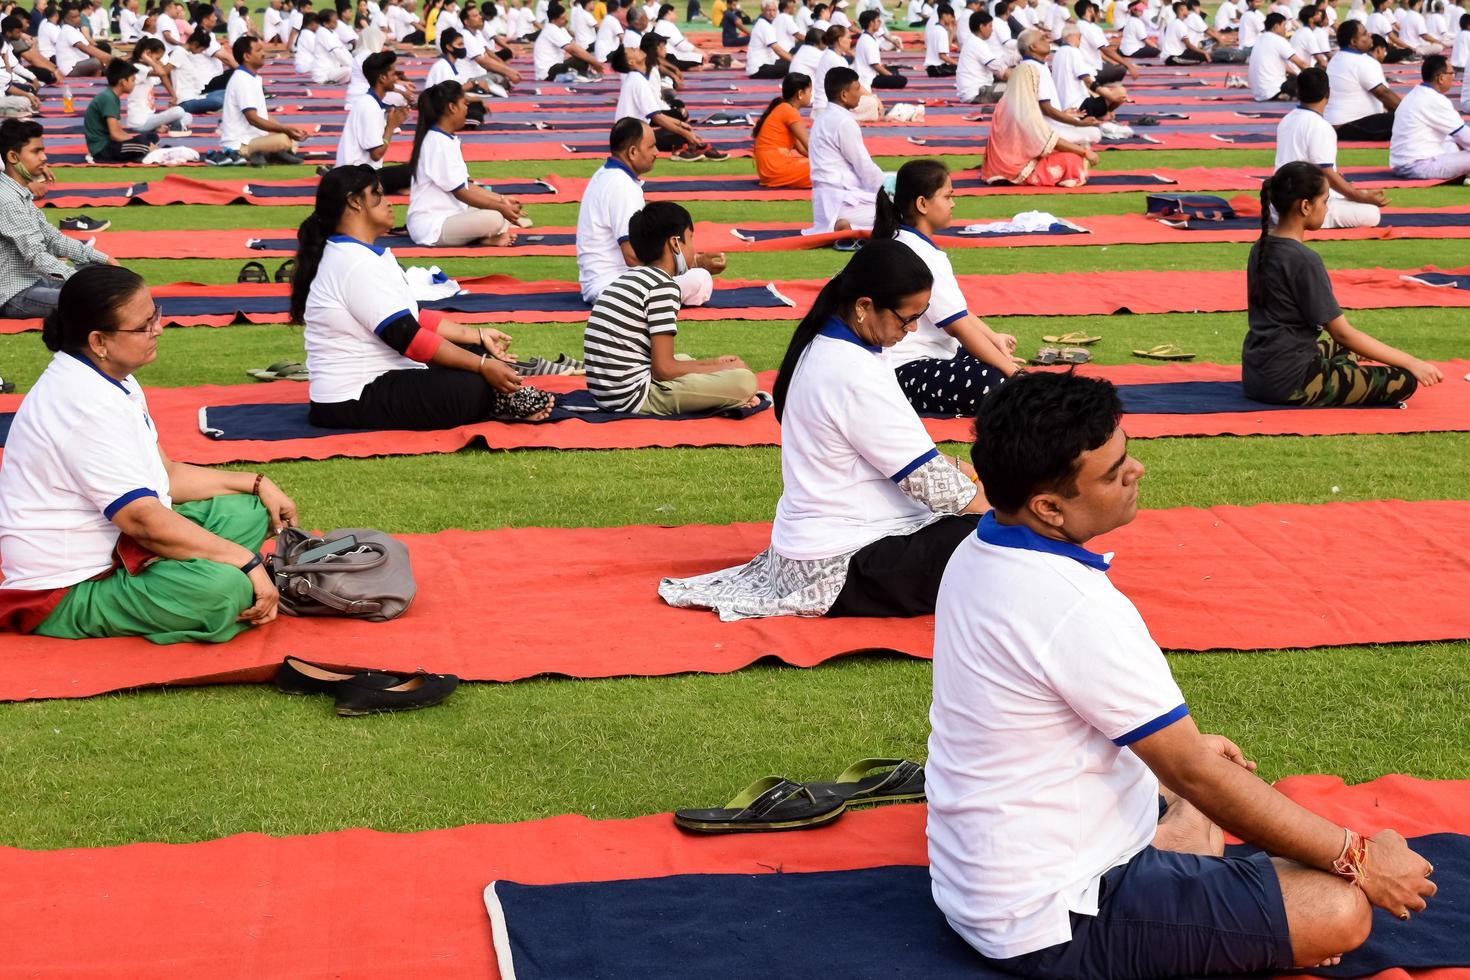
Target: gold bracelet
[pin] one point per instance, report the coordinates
(480, 332)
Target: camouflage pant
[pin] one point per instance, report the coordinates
(1338, 379)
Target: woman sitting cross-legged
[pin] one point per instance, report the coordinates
(445, 208)
(1023, 148)
(871, 510)
(375, 361)
(1289, 303)
(953, 359)
(781, 136)
(101, 534)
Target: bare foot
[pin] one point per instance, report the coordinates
(1183, 828)
(842, 224)
(502, 240)
(755, 400)
(1330, 961)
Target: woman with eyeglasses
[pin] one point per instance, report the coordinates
(871, 509)
(101, 534)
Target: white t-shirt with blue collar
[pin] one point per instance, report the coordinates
(440, 172)
(946, 305)
(80, 449)
(849, 437)
(613, 195)
(1044, 674)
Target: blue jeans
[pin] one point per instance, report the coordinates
(38, 300)
(206, 103)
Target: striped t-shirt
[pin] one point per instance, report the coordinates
(618, 345)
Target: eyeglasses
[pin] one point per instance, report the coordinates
(154, 324)
(904, 321)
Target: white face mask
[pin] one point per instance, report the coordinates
(680, 265)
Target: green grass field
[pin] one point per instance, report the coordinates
(194, 764)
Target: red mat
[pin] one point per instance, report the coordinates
(1107, 229)
(1015, 294)
(1239, 578)
(1443, 408)
(360, 903)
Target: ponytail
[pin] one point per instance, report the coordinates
(791, 87)
(916, 179)
(769, 109)
(434, 101)
(885, 271)
(332, 194)
(1293, 183)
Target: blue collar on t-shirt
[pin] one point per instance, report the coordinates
(993, 532)
(838, 330)
(100, 373)
(914, 231)
(247, 71)
(349, 240)
(613, 163)
(380, 102)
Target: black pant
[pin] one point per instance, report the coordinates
(1095, 106)
(417, 37)
(683, 65)
(417, 399)
(133, 151)
(667, 140)
(475, 110)
(1147, 51)
(899, 575)
(1396, 55)
(43, 75)
(941, 71)
(776, 70)
(893, 80)
(1109, 75)
(1377, 128)
(1185, 59)
(395, 179)
(1288, 90)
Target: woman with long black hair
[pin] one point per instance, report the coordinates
(445, 208)
(376, 361)
(1289, 302)
(953, 360)
(781, 136)
(871, 509)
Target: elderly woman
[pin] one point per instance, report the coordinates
(871, 510)
(1023, 147)
(101, 534)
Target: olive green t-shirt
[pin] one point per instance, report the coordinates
(95, 123)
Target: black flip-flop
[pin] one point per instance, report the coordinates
(253, 272)
(861, 784)
(6, 387)
(286, 271)
(768, 804)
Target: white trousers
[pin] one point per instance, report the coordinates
(1342, 213)
(172, 116)
(832, 203)
(1443, 167)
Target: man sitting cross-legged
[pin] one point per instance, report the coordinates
(1056, 724)
(631, 364)
(1304, 135)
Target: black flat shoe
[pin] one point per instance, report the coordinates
(296, 676)
(419, 691)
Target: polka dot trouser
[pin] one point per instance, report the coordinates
(948, 388)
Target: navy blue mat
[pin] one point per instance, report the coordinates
(1196, 398)
(277, 422)
(1404, 219)
(736, 298)
(873, 923)
(1441, 279)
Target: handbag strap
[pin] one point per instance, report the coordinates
(380, 556)
(300, 588)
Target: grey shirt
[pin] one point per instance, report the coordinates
(31, 249)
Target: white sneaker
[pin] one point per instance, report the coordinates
(496, 90)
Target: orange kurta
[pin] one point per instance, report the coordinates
(777, 161)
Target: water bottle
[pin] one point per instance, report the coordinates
(66, 102)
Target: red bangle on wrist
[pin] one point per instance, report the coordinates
(1349, 863)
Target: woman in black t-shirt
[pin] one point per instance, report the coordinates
(1290, 303)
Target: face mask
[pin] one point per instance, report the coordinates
(457, 52)
(680, 265)
(25, 175)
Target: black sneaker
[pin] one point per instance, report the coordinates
(84, 223)
(289, 159)
(419, 691)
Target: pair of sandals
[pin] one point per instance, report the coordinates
(255, 272)
(1165, 352)
(773, 803)
(1061, 355)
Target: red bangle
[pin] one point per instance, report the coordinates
(255, 490)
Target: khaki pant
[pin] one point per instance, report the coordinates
(468, 227)
(269, 143)
(692, 393)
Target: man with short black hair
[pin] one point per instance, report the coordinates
(845, 180)
(981, 72)
(1273, 64)
(938, 39)
(1057, 730)
(76, 56)
(613, 196)
(1425, 122)
(1303, 135)
(556, 53)
(1361, 105)
(21, 45)
(867, 56)
(33, 254)
(107, 140)
(372, 123)
(245, 124)
(629, 340)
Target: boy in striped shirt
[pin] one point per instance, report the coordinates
(629, 340)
